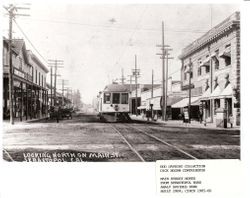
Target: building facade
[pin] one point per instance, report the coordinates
(29, 95)
(211, 69)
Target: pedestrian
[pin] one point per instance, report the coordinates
(56, 110)
(200, 115)
(147, 115)
(231, 120)
(183, 117)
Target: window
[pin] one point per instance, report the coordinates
(124, 98)
(116, 98)
(107, 98)
(42, 80)
(207, 69)
(5, 57)
(227, 61)
(39, 79)
(36, 76)
(20, 63)
(199, 71)
(227, 58)
(216, 60)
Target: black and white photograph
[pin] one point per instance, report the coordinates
(120, 83)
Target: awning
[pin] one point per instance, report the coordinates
(206, 95)
(141, 107)
(172, 100)
(226, 53)
(206, 62)
(184, 102)
(227, 92)
(216, 93)
(214, 55)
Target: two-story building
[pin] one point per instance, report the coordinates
(40, 91)
(212, 62)
(27, 103)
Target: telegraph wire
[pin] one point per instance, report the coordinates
(119, 28)
(29, 41)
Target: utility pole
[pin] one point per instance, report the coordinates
(166, 92)
(136, 73)
(12, 9)
(136, 112)
(56, 64)
(11, 16)
(51, 90)
(130, 83)
(163, 57)
(63, 89)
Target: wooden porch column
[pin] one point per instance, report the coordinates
(21, 105)
(27, 102)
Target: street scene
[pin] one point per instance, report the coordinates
(120, 83)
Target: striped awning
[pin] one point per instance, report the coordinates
(184, 102)
(205, 63)
(227, 92)
(216, 93)
(225, 53)
(206, 94)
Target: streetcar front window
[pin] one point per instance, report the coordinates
(116, 98)
(124, 98)
(107, 98)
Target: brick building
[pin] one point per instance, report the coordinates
(213, 64)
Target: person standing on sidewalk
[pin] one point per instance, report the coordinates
(231, 120)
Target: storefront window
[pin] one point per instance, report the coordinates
(124, 98)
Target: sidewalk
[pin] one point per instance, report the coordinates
(180, 123)
(24, 122)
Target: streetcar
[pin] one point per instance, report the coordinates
(113, 103)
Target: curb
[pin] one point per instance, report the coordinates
(188, 126)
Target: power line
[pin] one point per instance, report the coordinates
(29, 41)
(120, 28)
(132, 35)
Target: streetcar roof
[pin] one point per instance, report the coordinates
(116, 88)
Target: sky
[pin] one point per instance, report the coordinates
(97, 41)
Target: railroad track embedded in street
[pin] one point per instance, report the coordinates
(164, 142)
(153, 137)
(130, 145)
